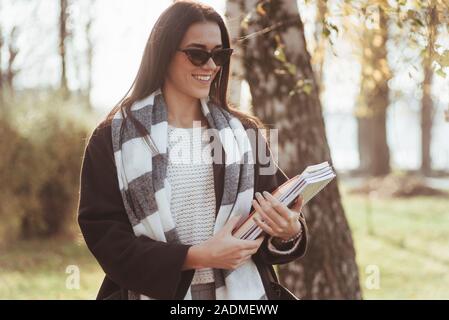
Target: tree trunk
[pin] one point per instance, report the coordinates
(12, 51)
(63, 35)
(426, 102)
(89, 53)
(426, 119)
(1, 69)
(371, 111)
(285, 93)
(321, 40)
(233, 18)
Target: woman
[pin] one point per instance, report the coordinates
(162, 228)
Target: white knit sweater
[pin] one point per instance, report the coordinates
(190, 175)
(191, 178)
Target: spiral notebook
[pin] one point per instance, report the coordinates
(310, 182)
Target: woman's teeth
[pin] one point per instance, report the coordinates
(202, 77)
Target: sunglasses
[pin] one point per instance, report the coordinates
(199, 57)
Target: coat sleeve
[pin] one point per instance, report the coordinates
(140, 264)
(268, 177)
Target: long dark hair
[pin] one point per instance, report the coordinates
(161, 46)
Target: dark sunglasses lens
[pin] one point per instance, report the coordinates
(198, 57)
(220, 57)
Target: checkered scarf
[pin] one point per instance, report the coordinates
(142, 167)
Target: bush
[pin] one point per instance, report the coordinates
(16, 192)
(41, 153)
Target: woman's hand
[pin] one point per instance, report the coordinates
(278, 220)
(224, 251)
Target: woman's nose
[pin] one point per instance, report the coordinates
(210, 64)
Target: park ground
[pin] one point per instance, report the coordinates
(401, 245)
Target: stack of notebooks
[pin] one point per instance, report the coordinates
(307, 184)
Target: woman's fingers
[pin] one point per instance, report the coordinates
(297, 206)
(282, 209)
(244, 255)
(248, 253)
(268, 210)
(265, 227)
(250, 248)
(264, 215)
(249, 244)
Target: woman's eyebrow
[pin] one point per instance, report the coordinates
(202, 46)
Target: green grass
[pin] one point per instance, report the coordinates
(406, 239)
(38, 270)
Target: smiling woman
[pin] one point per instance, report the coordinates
(162, 229)
(191, 71)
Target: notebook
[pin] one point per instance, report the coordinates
(310, 182)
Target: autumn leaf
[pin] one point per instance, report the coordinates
(260, 9)
(291, 68)
(245, 22)
(444, 59)
(279, 54)
(307, 88)
(441, 73)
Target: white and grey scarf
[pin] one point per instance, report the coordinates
(146, 194)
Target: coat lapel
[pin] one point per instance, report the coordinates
(218, 169)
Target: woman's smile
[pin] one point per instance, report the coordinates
(204, 79)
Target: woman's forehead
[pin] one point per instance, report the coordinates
(202, 34)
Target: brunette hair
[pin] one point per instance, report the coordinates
(160, 48)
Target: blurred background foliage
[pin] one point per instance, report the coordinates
(40, 156)
(379, 81)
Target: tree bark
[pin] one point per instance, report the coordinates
(1, 69)
(321, 40)
(233, 17)
(89, 52)
(285, 94)
(13, 50)
(371, 112)
(63, 35)
(427, 108)
(426, 119)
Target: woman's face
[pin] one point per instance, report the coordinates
(182, 74)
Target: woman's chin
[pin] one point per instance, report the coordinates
(200, 93)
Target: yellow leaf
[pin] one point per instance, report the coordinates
(291, 68)
(444, 58)
(260, 10)
(279, 54)
(441, 73)
(245, 22)
(307, 88)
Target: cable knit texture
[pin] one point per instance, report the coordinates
(190, 175)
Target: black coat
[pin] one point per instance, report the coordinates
(140, 264)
